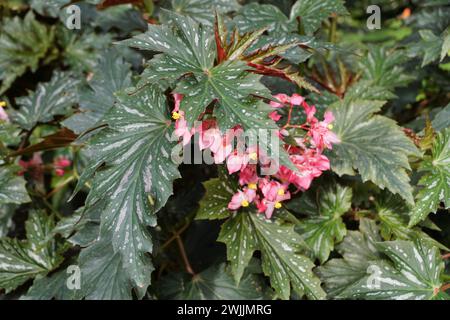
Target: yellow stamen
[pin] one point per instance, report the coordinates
(278, 205)
(244, 203)
(176, 115)
(252, 186)
(2, 104)
(280, 192)
(253, 156)
(330, 126)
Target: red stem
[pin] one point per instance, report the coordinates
(445, 287)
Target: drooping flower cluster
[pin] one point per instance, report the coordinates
(267, 192)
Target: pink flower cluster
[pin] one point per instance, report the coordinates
(267, 192)
(60, 163)
(35, 166)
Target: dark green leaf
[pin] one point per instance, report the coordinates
(214, 283)
(12, 186)
(279, 245)
(322, 230)
(50, 98)
(435, 181)
(111, 75)
(24, 43)
(23, 260)
(372, 144)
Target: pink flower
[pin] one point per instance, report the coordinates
(242, 199)
(310, 112)
(62, 162)
(34, 166)
(237, 161)
(3, 115)
(274, 116)
(182, 131)
(283, 98)
(321, 134)
(272, 189)
(209, 135)
(223, 149)
(270, 206)
(59, 172)
(178, 97)
(297, 99)
(274, 193)
(310, 165)
(248, 175)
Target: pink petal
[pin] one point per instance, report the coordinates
(274, 116)
(297, 99)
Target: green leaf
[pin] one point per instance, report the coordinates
(322, 230)
(435, 181)
(126, 18)
(256, 16)
(112, 74)
(312, 13)
(136, 178)
(186, 48)
(6, 213)
(368, 90)
(214, 283)
(442, 119)
(432, 47)
(296, 54)
(358, 250)
(81, 52)
(24, 43)
(53, 286)
(372, 144)
(383, 68)
(50, 99)
(12, 186)
(214, 204)
(36, 256)
(394, 214)
(51, 8)
(446, 44)
(202, 11)
(413, 273)
(279, 245)
(231, 85)
(239, 236)
(102, 274)
(9, 134)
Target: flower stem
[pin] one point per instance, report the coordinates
(184, 256)
(445, 287)
(175, 235)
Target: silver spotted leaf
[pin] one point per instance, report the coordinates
(326, 227)
(280, 248)
(372, 144)
(21, 260)
(436, 179)
(131, 160)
